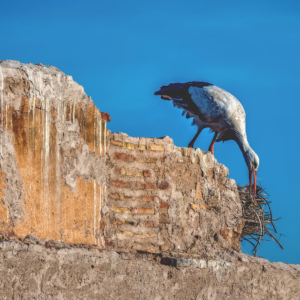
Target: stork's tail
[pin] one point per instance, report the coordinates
(163, 92)
(165, 97)
(173, 90)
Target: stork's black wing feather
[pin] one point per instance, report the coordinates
(179, 94)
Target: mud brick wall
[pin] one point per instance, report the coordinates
(162, 198)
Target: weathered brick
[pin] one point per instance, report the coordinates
(121, 209)
(149, 224)
(141, 147)
(163, 204)
(148, 198)
(128, 233)
(115, 196)
(156, 147)
(132, 223)
(149, 186)
(118, 222)
(124, 156)
(146, 159)
(144, 236)
(146, 247)
(134, 146)
(120, 183)
(146, 173)
(143, 210)
(131, 173)
(116, 143)
(163, 215)
(123, 196)
(162, 185)
(129, 146)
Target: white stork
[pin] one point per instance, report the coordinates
(213, 107)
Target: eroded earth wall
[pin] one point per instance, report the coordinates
(87, 213)
(52, 156)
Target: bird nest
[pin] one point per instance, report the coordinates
(257, 215)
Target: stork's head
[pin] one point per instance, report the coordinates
(252, 162)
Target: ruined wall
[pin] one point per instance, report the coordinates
(87, 213)
(66, 179)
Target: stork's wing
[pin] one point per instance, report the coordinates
(202, 99)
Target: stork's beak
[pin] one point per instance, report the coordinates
(254, 172)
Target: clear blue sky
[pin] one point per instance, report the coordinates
(122, 51)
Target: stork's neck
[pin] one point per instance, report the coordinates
(242, 141)
(247, 151)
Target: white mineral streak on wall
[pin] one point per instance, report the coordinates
(2, 106)
(32, 94)
(33, 116)
(47, 125)
(44, 198)
(100, 135)
(29, 75)
(104, 138)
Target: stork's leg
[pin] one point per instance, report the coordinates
(250, 182)
(191, 144)
(211, 147)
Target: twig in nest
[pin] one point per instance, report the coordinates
(258, 217)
